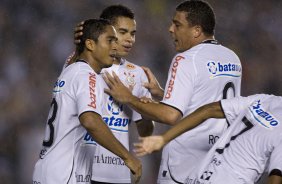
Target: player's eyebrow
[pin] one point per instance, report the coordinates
(176, 21)
(123, 29)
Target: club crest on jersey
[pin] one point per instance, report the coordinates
(116, 120)
(130, 81)
(130, 66)
(59, 84)
(264, 118)
(217, 69)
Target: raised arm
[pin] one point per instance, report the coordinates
(155, 143)
(155, 111)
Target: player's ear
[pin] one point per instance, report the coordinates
(90, 44)
(197, 31)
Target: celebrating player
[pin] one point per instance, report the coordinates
(203, 72)
(116, 115)
(243, 151)
(77, 105)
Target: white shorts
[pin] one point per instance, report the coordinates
(164, 176)
(215, 173)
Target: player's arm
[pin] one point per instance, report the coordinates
(155, 111)
(95, 126)
(274, 179)
(155, 143)
(153, 85)
(145, 127)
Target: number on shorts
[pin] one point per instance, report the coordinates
(248, 124)
(54, 105)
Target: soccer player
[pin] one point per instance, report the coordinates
(253, 139)
(202, 72)
(77, 105)
(107, 167)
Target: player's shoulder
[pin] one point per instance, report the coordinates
(78, 70)
(201, 50)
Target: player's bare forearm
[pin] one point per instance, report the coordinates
(203, 113)
(95, 126)
(153, 111)
(273, 179)
(145, 127)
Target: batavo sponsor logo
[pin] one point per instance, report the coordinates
(117, 123)
(59, 84)
(92, 90)
(217, 69)
(88, 139)
(264, 118)
(172, 76)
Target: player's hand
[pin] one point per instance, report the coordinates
(117, 89)
(71, 58)
(78, 32)
(146, 100)
(135, 167)
(153, 85)
(148, 144)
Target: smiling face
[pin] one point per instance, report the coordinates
(182, 33)
(126, 29)
(106, 48)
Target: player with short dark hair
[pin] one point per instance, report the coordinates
(108, 167)
(253, 140)
(202, 72)
(77, 105)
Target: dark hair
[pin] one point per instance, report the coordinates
(92, 29)
(111, 13)
(199, 13)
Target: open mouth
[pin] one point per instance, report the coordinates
(127, 47)
(113, 56)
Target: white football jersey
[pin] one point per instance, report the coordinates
(205, 73)
(65, 156)
(107, 167)
(253, 140)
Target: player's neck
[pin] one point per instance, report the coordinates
(92, 63)
(117, 61)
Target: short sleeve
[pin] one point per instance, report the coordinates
(180, 83)
(87, 87)
(234, 106)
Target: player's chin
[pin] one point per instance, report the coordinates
(122, 54)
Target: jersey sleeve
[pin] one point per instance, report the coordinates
(234, 106)
(180, 83)
(88, 92)
(275, 162)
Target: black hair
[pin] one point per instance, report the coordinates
(92, 29)
(111, 13)
(199, 13)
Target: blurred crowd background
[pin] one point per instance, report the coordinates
(37, 36)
